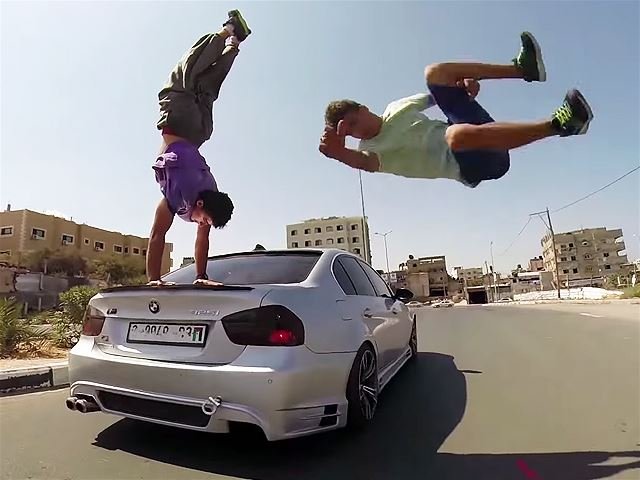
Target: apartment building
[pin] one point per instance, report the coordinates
(536, 264)
(470, 276)
(347, 233)
(430, 273)
(585, 256)
(26, 231)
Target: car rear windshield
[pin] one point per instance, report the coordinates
(252, 269)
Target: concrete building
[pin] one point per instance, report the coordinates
(585, 257)
(186, 261)
(347, 233)
(536, 264)
(525, 282)
(25, 231)
(427, 274)
(469, 276)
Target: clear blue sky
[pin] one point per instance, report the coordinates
(79, 107)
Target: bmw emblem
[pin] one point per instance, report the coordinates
(154, 306)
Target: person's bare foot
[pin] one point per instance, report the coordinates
(207, 283)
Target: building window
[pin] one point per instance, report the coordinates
(87, 241)
(354, 227)
(294, 233)
(329, 228)
(307, 243)
(605, 254)
(37, 233)
(587, 256)
(565, 271)
(5, 253)
(575, 270)
(356, 251)
(563, 259)
(340, 240)
(136, 251)
(294, 245)
(99, 246)
(340, 228)
(318, 243)
(126, 250)
(6, 231)
(318, 230)
(355, 240)
(573, 258)
(329, 241)
(67, 239)
(607, 267)
(571, 245)
(144, 252)
(307, 231)
(588, 268)
(117, 248)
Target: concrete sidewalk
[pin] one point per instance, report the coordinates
(18, 375)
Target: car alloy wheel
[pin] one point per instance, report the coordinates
(368, 384)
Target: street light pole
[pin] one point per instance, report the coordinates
(386, 252)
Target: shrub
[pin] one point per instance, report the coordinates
(18, 333)
(67, 324)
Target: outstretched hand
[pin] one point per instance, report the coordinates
(332, 140)
(471, 85)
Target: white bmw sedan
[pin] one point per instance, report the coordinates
(295, 342)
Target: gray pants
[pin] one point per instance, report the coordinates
(186, 100)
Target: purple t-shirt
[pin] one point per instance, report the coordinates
(182, 174)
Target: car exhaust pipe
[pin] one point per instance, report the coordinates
(87, 406)
(70, 402)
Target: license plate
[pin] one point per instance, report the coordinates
(188, 334)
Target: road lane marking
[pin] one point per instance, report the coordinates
(590, 315)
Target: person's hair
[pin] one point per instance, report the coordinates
(338, 109)
(218, 206)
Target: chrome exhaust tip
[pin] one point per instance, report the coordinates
(87, 406)
(70, 402)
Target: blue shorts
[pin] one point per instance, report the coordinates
(475, 165)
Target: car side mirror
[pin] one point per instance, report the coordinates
(403, 295)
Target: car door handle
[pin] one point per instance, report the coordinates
(367, 313)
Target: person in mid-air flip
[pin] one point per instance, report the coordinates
(186, 122)
(471, 147)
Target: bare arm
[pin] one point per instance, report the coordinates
(161, 224)
(202, 249)
(332, 146)
(367, 161)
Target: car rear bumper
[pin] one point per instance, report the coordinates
(286, 391)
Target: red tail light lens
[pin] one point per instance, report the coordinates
(93, 322)
(273, 325)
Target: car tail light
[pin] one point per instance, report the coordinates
(273, 325)
(93, 322)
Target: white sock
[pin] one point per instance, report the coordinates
(229, 28)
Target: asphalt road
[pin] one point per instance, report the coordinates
(499, 393)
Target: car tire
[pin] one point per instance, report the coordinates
(413, 340)
(362, 388)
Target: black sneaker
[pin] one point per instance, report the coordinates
(574, 116)
(240, 27)
(529, 60)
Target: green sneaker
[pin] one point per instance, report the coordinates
(240, 27)
(574, 116)
(529, 60)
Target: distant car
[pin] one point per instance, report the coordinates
(504, 300)
(443, 304)
(414, 304)
(295, 342)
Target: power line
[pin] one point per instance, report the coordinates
(596, 191)
(517, 236)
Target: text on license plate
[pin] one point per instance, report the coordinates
(167, 333)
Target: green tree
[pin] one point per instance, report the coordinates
(57, 262)
(118, 270)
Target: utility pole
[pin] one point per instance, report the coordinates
(555, 252)
(365, 229)
(493, 276)
(386, 252)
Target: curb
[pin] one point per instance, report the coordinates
(25, 379)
